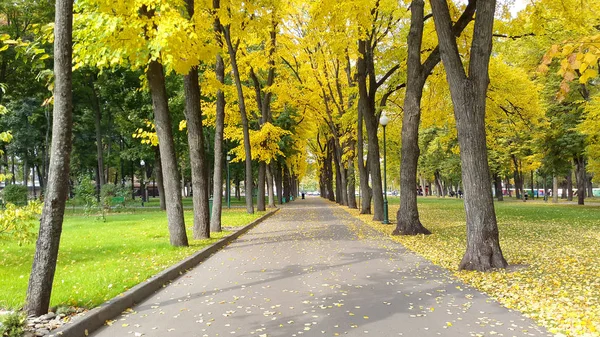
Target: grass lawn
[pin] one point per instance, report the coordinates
(556, 245)
(99, 260)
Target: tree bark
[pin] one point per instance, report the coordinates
(555, 189)
(98, 126)
(270, 186)
(46, 250)
(580, 178)
(262, 180)
(363, 170)
(351, 189)
(407, 217)
(162, 121)
(468, 94)
(159, 180)
(329, 174)
(215, 220)
(498, 186)
(364, 67)
(244, 118)
(195, 135)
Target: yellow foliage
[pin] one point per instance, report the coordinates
(18, 223)
(264, 143)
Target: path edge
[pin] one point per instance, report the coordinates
(82, 326)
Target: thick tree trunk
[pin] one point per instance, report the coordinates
(580, 178)
(469, 97)
(407, 217)
(159, 180)
(198, 164)
(215, 221)
(162, 121)
(46, 250)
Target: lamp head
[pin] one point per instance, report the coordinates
(142, 162)
(228, 157)
(384, 120)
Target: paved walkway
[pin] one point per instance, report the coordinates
(311, 270)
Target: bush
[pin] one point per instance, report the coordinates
(18, 223)
(114, 195)
(15, 194)
(13, 324)
(85, 192)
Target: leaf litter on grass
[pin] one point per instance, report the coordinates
(558, 280)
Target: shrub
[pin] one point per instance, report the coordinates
(15, 194)
(114, 195)
(18, 223)
(13, 324)
(85, 192)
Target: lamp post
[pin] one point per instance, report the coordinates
(228, 185)
(143, 183)
(384, 120)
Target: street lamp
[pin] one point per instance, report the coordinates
(384, 120)
(143, 183)
(228, 185)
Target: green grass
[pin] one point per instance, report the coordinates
(99, 260)
(556, 245)
(75, 207)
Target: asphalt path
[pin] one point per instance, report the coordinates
(314, 270)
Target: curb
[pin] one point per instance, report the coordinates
(94, 319)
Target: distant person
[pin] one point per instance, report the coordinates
(302, 195)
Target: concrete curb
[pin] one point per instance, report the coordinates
(94, 319)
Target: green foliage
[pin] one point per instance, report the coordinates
(15, 194)
(85, 193)
(13, 324)
(18, 223)
(112, 195)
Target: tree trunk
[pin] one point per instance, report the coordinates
(580, 178)
(244, 118)
(278, 183)
(329, 174)
(372, 125)
(498, 186)
(363, 169)
(570, 186)
(215, 221)
(555, 189)
(468, 94)
(262, 179)
(270, 187)
(351, 189)
(589, 186)
(159, 180)
(162, 121)
(98, 126)
(195, 135)
(46, 250)
(407, 217)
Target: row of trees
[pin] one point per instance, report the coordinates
(272, 83)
